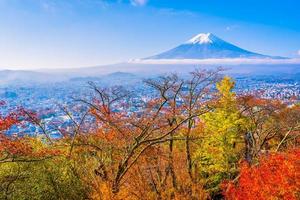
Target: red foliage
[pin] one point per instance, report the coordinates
(8, 121)
(17, 147)
(276, 177)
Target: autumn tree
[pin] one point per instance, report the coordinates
(270, 126)
(33, 168)
(275, 177)
(199, 88)
(125, 138)
(219, 150)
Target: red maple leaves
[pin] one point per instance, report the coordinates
(277, 176)
(20, 148)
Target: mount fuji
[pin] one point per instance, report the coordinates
(208, 46)
(204, 51)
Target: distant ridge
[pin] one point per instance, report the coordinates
(209, 46)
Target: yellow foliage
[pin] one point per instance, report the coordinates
(218, 152)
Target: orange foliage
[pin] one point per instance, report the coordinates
(150, 153)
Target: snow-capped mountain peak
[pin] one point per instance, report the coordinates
(208, 46)
(202, 38)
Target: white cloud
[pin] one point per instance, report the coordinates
(298, 52)
(223, 61)
(139, 2)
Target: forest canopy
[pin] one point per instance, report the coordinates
(194, 139)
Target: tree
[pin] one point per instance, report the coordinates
(124, 138)
(275, 177)
(31, 168)
(51, 178)
(271, 125)
(219, 150)
(198, 87)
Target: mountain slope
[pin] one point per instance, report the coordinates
(205, 46)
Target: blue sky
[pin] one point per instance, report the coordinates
(75, 33)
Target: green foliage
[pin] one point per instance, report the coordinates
(218, 153)
(46, 178)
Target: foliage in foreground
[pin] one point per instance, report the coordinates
(190, 141)
(277, 176)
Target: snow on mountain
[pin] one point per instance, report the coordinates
(201, 38)
(208, 46)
